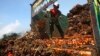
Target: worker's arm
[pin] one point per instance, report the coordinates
(59, 14)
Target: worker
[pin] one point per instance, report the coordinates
(55, 15)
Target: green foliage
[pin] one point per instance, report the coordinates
(11, 36)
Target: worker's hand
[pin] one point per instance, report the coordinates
(60, 17)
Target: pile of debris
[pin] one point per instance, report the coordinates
(79, 20)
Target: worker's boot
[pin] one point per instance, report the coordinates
(62, 35)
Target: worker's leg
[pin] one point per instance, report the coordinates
(59, 29)
(51, 28)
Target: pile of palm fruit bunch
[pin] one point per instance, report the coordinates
(79, 20)
(78, 40)
(72, 46)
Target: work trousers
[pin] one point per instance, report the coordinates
(56, 23)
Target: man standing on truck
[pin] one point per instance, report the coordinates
(54, 19)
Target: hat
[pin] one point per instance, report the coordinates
(56, 4)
